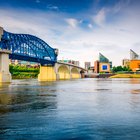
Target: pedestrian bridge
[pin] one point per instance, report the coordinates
(31, 48)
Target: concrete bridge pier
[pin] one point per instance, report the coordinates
(47, 73)
(5, 75)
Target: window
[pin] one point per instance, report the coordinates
(104, 67)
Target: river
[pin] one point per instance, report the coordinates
(83, 109)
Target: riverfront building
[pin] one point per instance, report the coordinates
(126, 62)
(24, 63)
(102, 65)
(77, 63)
(96, 66)
(134, 61)
(87, 65)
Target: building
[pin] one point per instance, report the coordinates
(96, 66)
(134, 61)
(87, 65)
(24, 63)
(126, 62)
(135, 65)
(77, 63)
(91, 69)
(133, 55)
(102, 65)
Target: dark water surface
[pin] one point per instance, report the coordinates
(83, 109)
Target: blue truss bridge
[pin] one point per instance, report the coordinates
(31, 48)
(28, 48)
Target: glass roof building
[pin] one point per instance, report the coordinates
(134, 55)
(103, 65)
(102, 58)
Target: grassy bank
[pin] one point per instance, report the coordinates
(126, 76)
(23, 72)
(24, 75)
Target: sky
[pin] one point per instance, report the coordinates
(80, 29)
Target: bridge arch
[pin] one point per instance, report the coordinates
(28, 48)
(75, 74)
(63, 72)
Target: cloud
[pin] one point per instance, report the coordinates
(72, 22)
(90, 26)
(53, 7)
(100, 18)
(114, 40)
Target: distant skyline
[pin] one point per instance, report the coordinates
(80, 29)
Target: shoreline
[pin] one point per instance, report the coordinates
(125, 76)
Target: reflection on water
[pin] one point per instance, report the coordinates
(23, 102)
(136, 91)
(74, 109)
(24, 95)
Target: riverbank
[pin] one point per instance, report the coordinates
(125, 76)
(23, 72)
(24, 75)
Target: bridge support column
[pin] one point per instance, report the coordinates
(5, 75)
(47, 73)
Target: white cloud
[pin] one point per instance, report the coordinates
(72, 22)
(112, 40)
(52, 7)
(100, 18)
(90, 26)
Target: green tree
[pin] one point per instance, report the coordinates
(120, 68)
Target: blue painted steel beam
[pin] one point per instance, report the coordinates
(31, 59)
(28, 48)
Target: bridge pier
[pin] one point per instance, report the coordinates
(5, 75)
(47, 73)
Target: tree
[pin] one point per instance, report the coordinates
(120, 68)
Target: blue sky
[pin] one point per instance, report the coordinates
(80, 29)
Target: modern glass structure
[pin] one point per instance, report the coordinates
(102, 58)
(133, 55)
(103, 65)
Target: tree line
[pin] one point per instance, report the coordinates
(121, 68)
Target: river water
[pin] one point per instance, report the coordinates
(83, 109)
